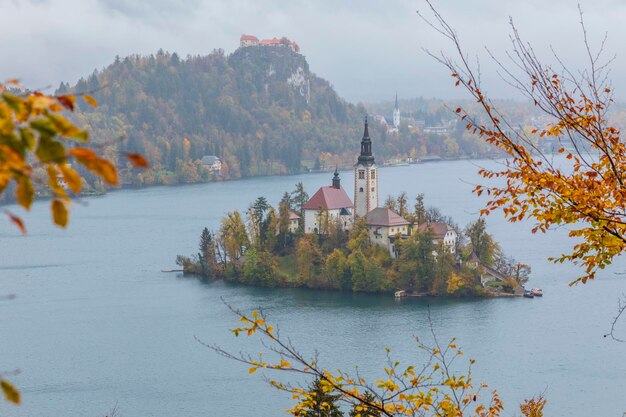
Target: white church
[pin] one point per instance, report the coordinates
(384, 225)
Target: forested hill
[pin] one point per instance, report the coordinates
(260, 109)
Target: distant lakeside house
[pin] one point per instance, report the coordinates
(213, 164)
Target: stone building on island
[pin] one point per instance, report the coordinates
(384, 225)
(332, 200)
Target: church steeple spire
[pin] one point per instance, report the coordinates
(366, 147)
(365, 177)
(336, 180)
(396, 114)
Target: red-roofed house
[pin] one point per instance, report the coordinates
(384, 224)
(442, 233)
(333, 200)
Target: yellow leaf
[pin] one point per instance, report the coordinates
(71, 178)
(10, 392)
(59, 212)
(251, 370)
(24, 192)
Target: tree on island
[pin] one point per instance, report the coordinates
(299, 197)
(481, 242)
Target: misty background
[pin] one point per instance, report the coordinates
(366, 49)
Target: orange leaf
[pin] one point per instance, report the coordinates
(92, 101)
(16, 221)
(83, 153)
(67, 102)
(137, 160)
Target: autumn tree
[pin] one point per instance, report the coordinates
(390, 203)
(586, 193)
(336, 271)
(433, 388)
(308, 259)
(234, 236)
(402, 204)
(283, 225)
(481, 242)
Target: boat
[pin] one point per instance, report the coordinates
(537, 292)
(400, 294)
(528, 294)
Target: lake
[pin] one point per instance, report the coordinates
(95, 323)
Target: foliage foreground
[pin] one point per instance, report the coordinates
(38, 145)
(430, 389)
(586, 193)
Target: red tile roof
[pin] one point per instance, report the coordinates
(382, 216)
(248, 38)
(439, 230)
(329, 198)
(293, 215)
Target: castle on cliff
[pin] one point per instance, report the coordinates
(250, 40)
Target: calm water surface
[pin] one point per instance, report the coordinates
(95, 323)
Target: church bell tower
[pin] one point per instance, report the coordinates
(396, 114)
(365, 178)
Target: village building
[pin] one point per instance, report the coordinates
(331, 201)
(443, 233)
(213, 164)
(385, 226)
(365, 178)
(294, 221)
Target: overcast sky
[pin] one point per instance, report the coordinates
(367, 49)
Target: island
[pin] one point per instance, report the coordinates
(329, 241)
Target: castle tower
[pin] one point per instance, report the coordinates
(365, 178)
(396, 114)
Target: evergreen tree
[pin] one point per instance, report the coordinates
(420, 211)
(206, 256)
(286, 200)
(402, 204)
(299, 197)
(323, 404)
